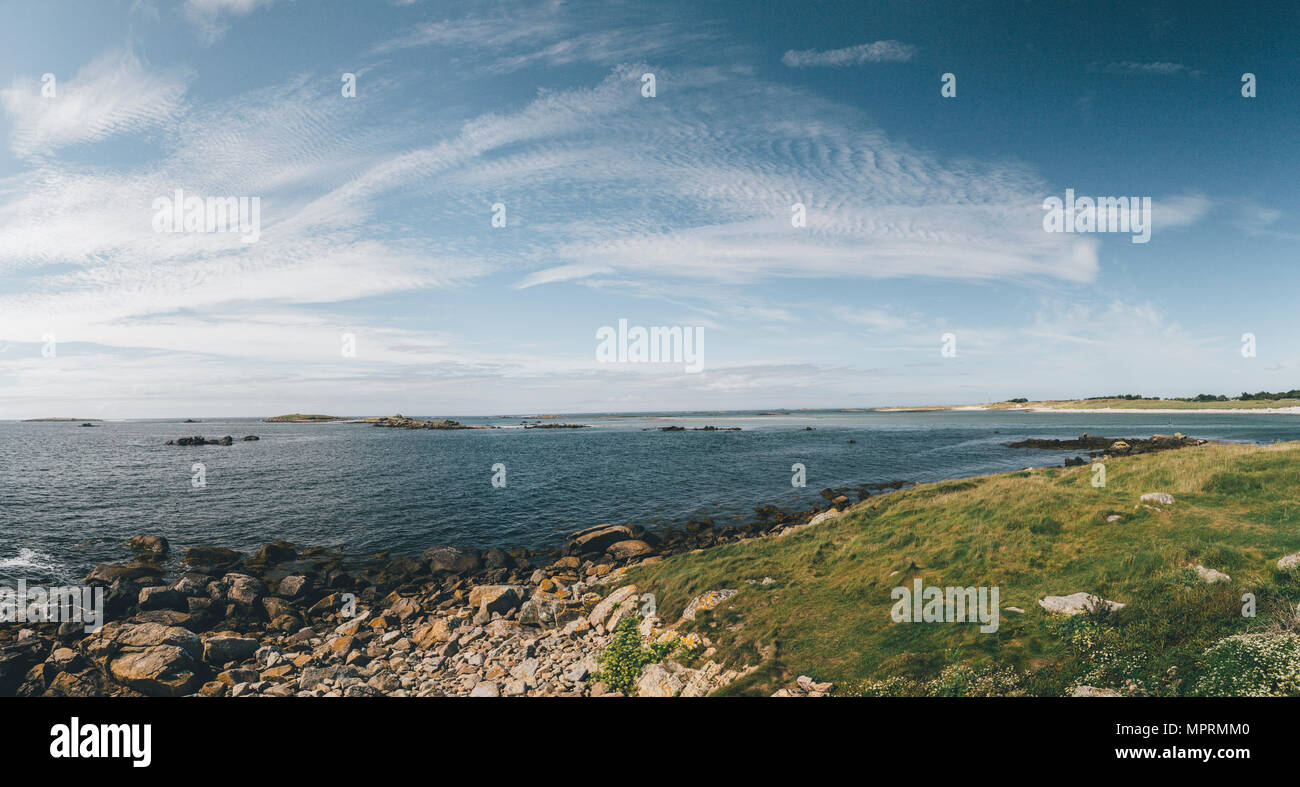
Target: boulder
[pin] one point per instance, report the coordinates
(211, 560)
(824, 516)
(152, 658)
(497, 598)
(1211, 576)
(293, 586)
(706, 601)
(546, 609)
(242, 588)
(629, 549)
(162, 597)
(275, 552)
(439, 630)
(405, 608)
(1157, 499)
(656, 680)
(453, 560)
(1076, 603)
(599, 538)
(401, 570)
(161, 671)
(486, 688)
(221, 649)
(108, 573)
(16, 659)
(497, 558)
(149, 545)
(602, 610)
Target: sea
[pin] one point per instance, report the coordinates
(70, 496)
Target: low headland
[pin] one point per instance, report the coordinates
(1135, 586)
(1264, 402)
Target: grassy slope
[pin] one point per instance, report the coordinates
(1029, 533)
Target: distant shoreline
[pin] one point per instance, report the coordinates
(1130, 406)
(1085, 410)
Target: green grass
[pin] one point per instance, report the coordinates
(1030, 534)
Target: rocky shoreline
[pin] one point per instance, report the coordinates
(456, 621)
(1102, 448)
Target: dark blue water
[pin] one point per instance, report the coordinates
(70, 496)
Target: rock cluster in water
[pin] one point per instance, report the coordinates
(1106, 447)
(402, 422)
(198, 440)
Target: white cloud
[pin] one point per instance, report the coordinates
(212, 17)
(876, 52)
(1158, 68)
(112, 95)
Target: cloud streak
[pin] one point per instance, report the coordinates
(875, 52)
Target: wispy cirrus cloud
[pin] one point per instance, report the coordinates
(112, 95)
(875, 52)
(1156, 68)
(212, 17)
(545, 35)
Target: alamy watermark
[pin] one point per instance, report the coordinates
(935, 604)
(36, 604)
(209, 214)
(677, 344)
(1103, 214)
(96, 741)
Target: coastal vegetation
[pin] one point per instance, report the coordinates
(1034, 533)
(302, 418)
(1253, 402)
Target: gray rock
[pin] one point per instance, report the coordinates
(1076, 603)
(1211, 576)
(707, 601)
(1093, 691)
(657, 680)
(486, 688)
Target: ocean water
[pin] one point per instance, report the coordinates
(71, 496)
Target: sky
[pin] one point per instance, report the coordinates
(379, 281)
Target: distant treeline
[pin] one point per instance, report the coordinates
(1294, 393)
(1244, 397)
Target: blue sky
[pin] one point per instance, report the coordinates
(924, 213)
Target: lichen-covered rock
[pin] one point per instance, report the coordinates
(600, 614)
(658, 680)
(497, 598)
(706, 601)
(1211, 576)
(1077, 603)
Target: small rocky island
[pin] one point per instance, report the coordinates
(400, 421)
(56, 420)
(302, 418)
(199, 440)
